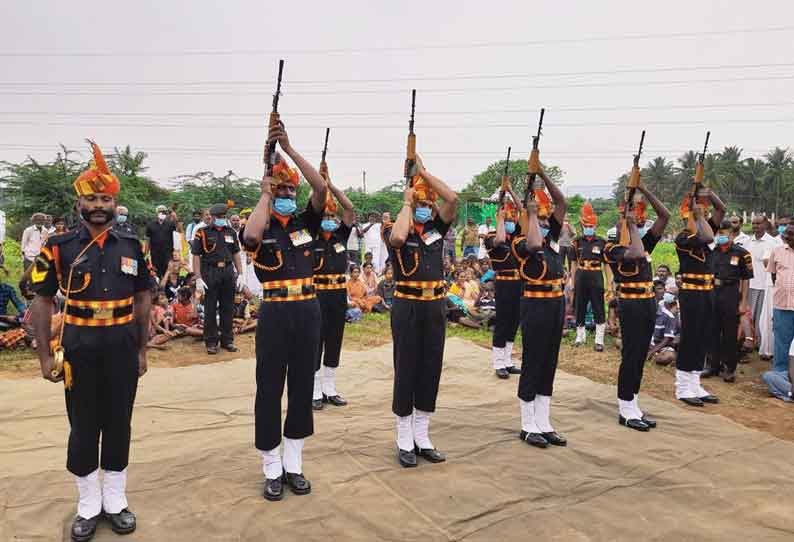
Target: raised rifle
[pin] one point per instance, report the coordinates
(505, 180)
(410, 155)
(631, 189)
(270, 153)
(325, 150)
(697, 184)
(533, 165)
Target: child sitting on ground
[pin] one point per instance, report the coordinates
(162, 327)
(186, 316)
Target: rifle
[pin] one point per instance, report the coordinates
(323, 165)
(631, 189)
(270, 152)
(697, 184)
(533, 165)
(505, 180)
(410, 157)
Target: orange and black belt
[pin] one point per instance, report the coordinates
(419, 290)
(105, 313)
(697, 281)
(330, 282)
(288, 290)
(589, 265)
(635, 290)
(544, 289)
(508, 274)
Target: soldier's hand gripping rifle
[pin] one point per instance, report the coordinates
(631, 189)
(270, 150)
(697, 184)
(533, 167)
(410, 155)
(505, 180)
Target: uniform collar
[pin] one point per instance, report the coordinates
(85, 235)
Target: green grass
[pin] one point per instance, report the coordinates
(664, 253)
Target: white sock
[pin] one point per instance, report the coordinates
(271, 463)
(329, 382)
(114, 491)
(626, 409)
(699, 390)
(528, 416)
(422, 429)
(635, 403)
(293, 455)
(543, 413)
(90, 495)
(405, 433)
(581, 334)
(498, 356)
(683, 385)
(509, 355)
(318, 384)
(599, 334)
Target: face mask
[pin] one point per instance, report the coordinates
(510, 227)
(544, 231)
(643, 231)
(722, 239)
(422, 214)
(221, 222)
(121, 219)
(161, 216)
(669, 298)
(589, 232)
(284, 206)
(329, 225)
(781, 229)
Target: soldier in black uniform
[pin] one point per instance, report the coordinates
(330, 257)
(589, 278)
(696, 301)
(631, 269)
(288, 327)
(508, 287)
(101, 352)
(418, 315)
(216, 258)
(542, 313)
(732, 266)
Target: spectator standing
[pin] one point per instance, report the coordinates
(781, 266)
(160, 239)
(740, 238)
(122, 221)
(60, 225)
(33, 238)
(663, 274)
(449, 243)
(194, 222)
(48, 224)
(482, 233)
(760, 246)
(373, 242)
(354, 245)
(567, 235)
(469, 239)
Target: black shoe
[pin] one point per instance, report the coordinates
(297, 483)
(709, 372)
(317, 404)
(407, 459)
(502, 373)
(431, 454)
(712, 399)
(650, 422)
(84, 529)
(230, 347)
(730, 377)
(555, 439)
(274, 489)
(692, 401)
(212, 350)
(335, 400)
(513, 370)
(122, 523)
(534, 439)
(634, 423)
(599, 347)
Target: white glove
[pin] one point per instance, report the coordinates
(240, 283)
(201, 286)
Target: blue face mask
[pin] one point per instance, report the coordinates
(589, 232)
(284, 206)
(422, 214)
(329, 225)
(510, 227)
(121, 219)
(669, 298)
(544, 231)
(221, 222)
(781, 230)
(643, 231)
(722, 239)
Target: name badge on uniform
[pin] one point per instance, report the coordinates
(339, 248)
(555, 246)
(129, 266)
(300, 237)
(596, 250)
(734, 260)
(228, 238)
(431, 237)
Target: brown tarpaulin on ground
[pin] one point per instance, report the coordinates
(196, 476)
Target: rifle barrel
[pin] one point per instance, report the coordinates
(413, 109)
(325, 147)
(540, 123)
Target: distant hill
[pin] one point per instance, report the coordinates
(588, 191)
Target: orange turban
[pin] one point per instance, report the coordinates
(588, 216)
(639, 210)
(97, 179)
(330, 203)
(422, 190)
(544, 203)
(285, 174)
(684, 209)
(511, 212)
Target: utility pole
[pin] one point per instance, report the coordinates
(364, 180)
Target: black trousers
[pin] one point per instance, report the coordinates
(589, 287)
(104, 383)
(219, 298)
(160, 257)
(333, 304)
(725, 328)
(697, 311)
(508, 311)
(287, 338)
(418, 330)
(541, 333)
(637, 318)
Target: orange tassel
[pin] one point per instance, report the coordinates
(67, 375)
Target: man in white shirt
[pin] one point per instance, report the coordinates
(33, 238)
(740, 238)
(759, 245)
(374, 243)
(482, 231)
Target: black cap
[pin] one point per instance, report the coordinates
(219, 209)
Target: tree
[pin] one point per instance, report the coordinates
(485, 183)
(778, 172)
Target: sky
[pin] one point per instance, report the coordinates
(191, 82)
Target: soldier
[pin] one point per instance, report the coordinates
(288, 327)
(101, 350)
(418, 315)
(542, 313)
(508, 287)
(732, 266)
(215, 248)
(631, 270)
(330, 257)
(589, 278)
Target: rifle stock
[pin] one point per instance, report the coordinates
(270, 152)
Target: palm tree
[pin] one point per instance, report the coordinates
(779, 164)
(752, 173)
(658, 176)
